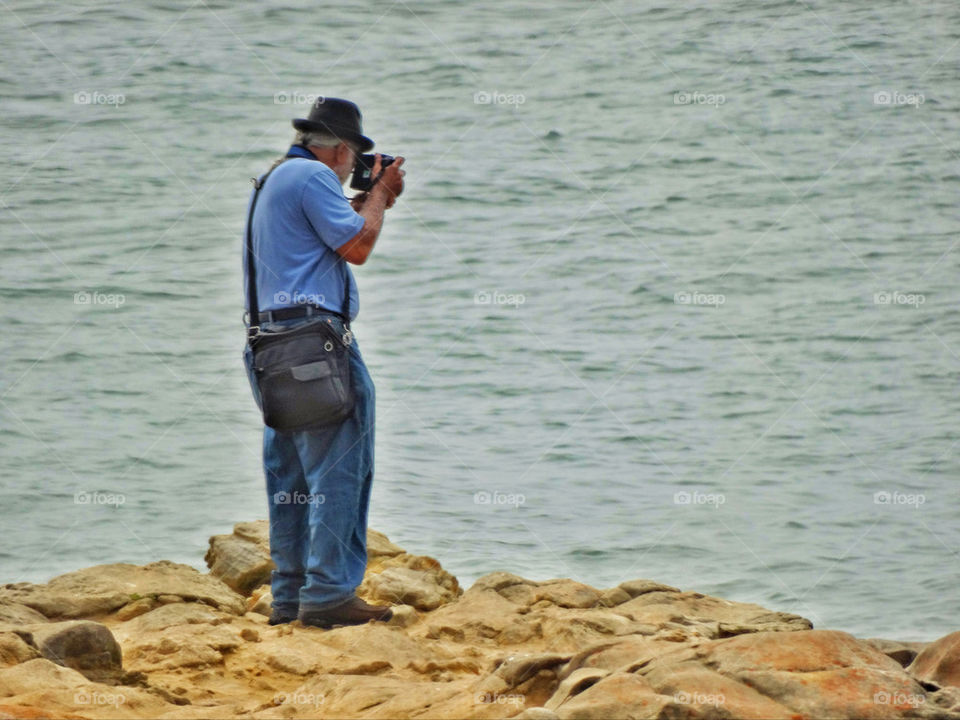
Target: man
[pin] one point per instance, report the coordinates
(304, 234)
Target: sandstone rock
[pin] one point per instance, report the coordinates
(574, 684)
(939, 662)
(242, 561)
(260, 601)
(290, 662)
(508, 647)
(384, 698)
(16, 614)
(902, 651)
(406, 586)
(178, 635)
(102, 589)
(567, 594)
(816, 673)
(195, 645)
(636, 588)
(615, 697)
(498, 581)
(415, 580)
(517, 669)
(239, 562)
(166, 616)
(703, 690)
(537, 713)
(947, 698)
(137, 607)
(63, 692)
(378, 545)
(14, 649)
(28, 676)
(28, 712)
(404, 616)
(702, 615)
(626, 654)
(765, 622)
(614, 596)
(481, 614)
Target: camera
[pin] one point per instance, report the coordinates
(363, 171)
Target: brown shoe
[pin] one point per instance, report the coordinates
(352, 612)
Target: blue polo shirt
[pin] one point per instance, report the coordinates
(302, 217)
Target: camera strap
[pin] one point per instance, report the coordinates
(253, 327)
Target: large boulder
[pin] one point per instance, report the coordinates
(939, 662)
(814, 673)
(85, 646)
(393, 576)
(102, 589)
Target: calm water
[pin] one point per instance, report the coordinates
(644, 251)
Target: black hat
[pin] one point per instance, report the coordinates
(338, 117)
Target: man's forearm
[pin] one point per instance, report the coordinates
(358, 249)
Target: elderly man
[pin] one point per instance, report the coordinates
(304, 233)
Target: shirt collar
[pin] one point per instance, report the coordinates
(300, 151)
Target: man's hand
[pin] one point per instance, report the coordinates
(371, 205)
(392, 179)
(392, 182)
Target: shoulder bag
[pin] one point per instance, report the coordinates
(303, 373)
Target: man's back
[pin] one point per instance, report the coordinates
(302, 217)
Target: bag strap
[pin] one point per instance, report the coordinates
(253, 329)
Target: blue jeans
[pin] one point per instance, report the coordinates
(318, 494)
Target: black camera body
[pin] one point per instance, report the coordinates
(362, 179)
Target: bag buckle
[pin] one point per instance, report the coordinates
(347, 337)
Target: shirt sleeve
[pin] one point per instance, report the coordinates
(329, 211)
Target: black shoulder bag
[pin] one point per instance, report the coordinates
(303, 373)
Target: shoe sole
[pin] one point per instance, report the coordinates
(335, 625)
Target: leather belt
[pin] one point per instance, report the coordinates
(296, 311)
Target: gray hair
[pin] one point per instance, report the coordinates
(320, 139)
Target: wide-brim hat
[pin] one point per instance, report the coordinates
(338, 117)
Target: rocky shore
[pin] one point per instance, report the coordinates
(166, 641)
